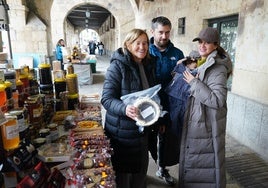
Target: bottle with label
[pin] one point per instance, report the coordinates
(22, 121)
(10, 101)
(20, 89)
(10, 133)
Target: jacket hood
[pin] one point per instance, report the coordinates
(124, 58)
(224, 60)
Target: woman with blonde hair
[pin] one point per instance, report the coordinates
(131, 70)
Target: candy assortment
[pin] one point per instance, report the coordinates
(92, 160)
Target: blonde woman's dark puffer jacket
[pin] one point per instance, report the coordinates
(122, 78)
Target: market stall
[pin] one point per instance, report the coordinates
(45, 146)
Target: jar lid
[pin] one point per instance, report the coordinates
(59, 80)
(10, 117)
(33, 97)
(71, 75)
(23, 76)
(46, 86)
(44, 131)
(10, 74)
(44, 65)
(30, 77)
(8, 83)
(19, 82)
(73, 96)
(39, 140)
(16, 112)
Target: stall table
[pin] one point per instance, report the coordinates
(84, 73)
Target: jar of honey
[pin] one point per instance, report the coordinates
(25, 80)
(72, 83)
(35, 109)
(10, 133)
(19, 86)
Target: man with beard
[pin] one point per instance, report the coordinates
(167, 55)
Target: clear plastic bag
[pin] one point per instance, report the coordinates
(148, 103)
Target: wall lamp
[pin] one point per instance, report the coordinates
(87, 13)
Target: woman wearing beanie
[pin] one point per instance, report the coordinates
(202, 157)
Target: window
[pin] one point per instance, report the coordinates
(227, 27)
(181, 26)
(112, 22)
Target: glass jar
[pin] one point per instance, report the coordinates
(72, 83)
(25, 80)
(19, 86)
(22, 121)
(72, 101)
(10, 133)
(70, 69)
(45, 73)
(8, 89)
(11, 77)
(35, 109)
(60, 86)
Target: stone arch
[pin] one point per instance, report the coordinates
(60, 9)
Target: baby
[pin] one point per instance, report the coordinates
(178, 90)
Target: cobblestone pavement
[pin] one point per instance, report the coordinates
(243, 167)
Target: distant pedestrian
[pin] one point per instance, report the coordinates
(59, 52)
(101, 48)
(92, 47)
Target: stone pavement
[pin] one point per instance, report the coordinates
(243, 167)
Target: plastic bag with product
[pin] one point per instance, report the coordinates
(148, 103)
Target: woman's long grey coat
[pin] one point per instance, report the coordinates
(202, 154)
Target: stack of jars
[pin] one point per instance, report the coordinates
(24, 86)
(45, 79)
(60, 87)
